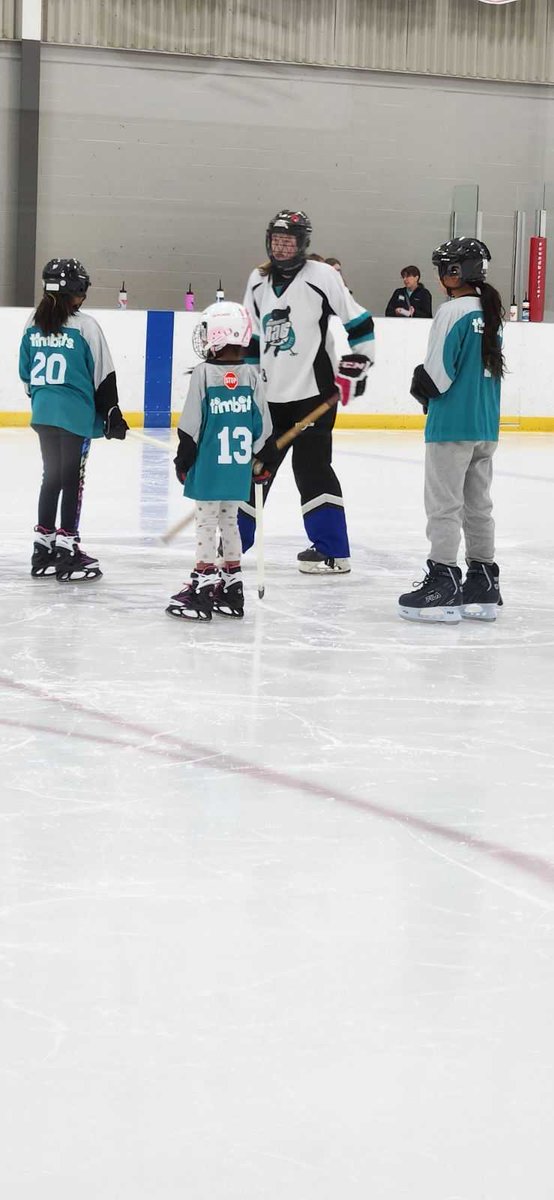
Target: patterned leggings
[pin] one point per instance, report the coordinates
(64, 458)
(211, 515)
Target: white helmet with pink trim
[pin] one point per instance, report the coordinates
(222, 324)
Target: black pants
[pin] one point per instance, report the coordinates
(64, 458)
(320, 490)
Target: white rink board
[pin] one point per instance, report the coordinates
(126, 336)
(528, 389)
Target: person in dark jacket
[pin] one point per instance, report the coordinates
(411, 300)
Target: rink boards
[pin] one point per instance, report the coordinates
(152, 353)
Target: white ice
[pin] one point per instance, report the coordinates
(277, 897)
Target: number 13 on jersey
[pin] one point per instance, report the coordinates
(235, 446)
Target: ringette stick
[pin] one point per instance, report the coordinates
(286, 438)
(260, 575)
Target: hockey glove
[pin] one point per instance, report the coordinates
(181, 463)
(185, 456)
(351, 377)
(265, 466)
(263, 475)
(416, 389)
(115, 425)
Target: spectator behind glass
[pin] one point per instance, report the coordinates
(411, 300)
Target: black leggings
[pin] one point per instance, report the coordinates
(64, 458)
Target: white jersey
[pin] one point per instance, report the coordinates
(290, 331)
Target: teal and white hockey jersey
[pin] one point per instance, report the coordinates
(290, 326)
(228, 421)
(464, 398)
(69, 376)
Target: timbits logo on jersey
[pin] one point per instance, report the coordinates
(278, 332)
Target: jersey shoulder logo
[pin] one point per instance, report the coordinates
(278, 332)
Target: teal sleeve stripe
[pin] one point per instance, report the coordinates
(362, 337)
(364, 319)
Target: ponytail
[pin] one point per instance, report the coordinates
(52, 312)
(493, 316)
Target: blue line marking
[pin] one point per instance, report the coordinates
(158, 369)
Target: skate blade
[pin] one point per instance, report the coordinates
(43, 572)
(227, 612)
(435, 616)
(479, 612)
(187, 614)
(321, 569)
(80, 576)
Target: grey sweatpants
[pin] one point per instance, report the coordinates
(458, 478)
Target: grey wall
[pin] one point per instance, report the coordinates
(438, 37)
(162, 169)
(9, 124)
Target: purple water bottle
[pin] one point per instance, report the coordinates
(189, 299)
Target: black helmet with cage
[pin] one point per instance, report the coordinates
(66, 277)
(465, 258)
(293, 222)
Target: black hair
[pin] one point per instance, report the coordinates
(52, 312)
(493, 316)
(411, 270)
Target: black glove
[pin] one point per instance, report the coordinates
(181, 467)
(185, 456)
(115, 425)
(416, 390)
(265, 466)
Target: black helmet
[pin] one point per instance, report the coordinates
(293, 221)
(66, 275)
(466, 258)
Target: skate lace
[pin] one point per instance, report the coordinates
(421, 583)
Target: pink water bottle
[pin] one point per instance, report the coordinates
(189, 299)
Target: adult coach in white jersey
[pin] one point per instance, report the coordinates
(291, 300)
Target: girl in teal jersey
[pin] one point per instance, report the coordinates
(459, 387)
(224, 423)
(67, 370)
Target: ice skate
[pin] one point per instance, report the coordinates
(43, 560)
(195, 601)
(437, 598)
(313, 562)
(480, 591)
(72, 564)
(229, 595)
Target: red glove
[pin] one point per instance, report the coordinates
(263, 475)
(351, 376)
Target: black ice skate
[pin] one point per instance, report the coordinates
(313, 562)
(229, 595)
(437, 598)
(43, 560)
(72, 564)
(196, 599)
(480, 591)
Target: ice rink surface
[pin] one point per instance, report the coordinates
(277, 896)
